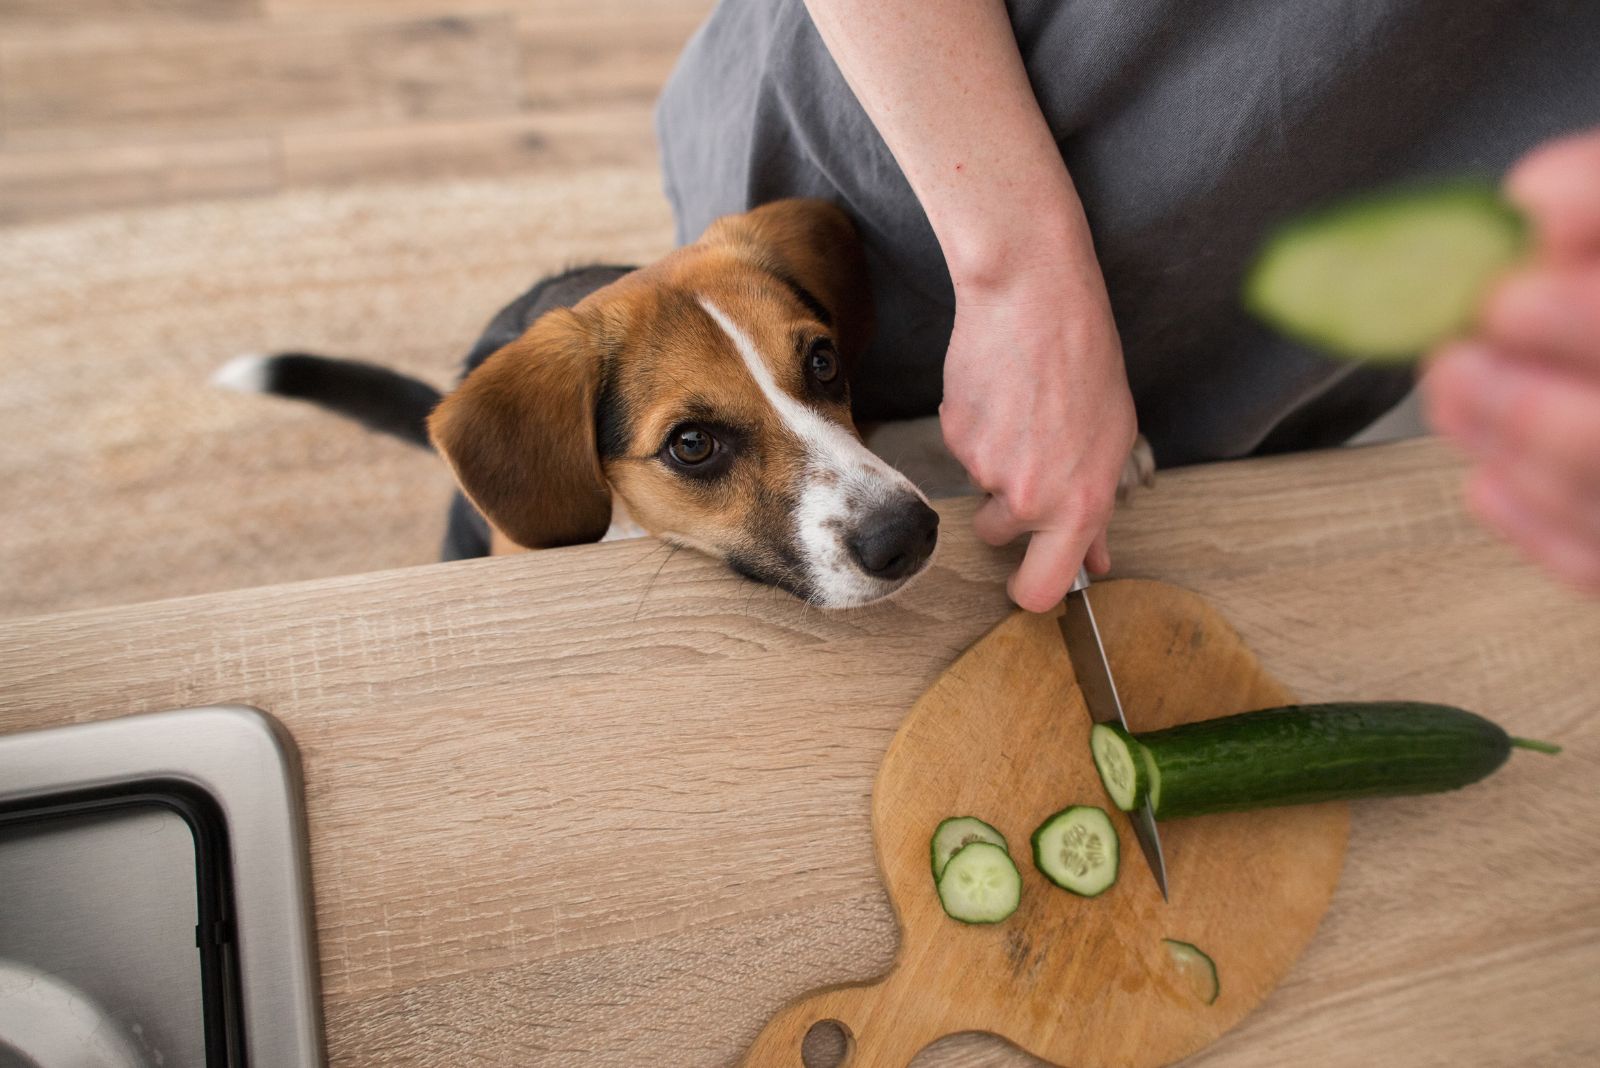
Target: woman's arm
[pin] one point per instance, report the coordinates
(1036, 402)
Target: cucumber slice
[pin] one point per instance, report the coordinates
(1077, 850)
(1302, 754)
(1155, 777)
(1123, 768)
(958, 831)
(1385, 277)
(1197, 969)
(980, 884)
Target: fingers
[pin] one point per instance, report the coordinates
(1542, 525)
(994, 524)
(1099, 559)
(1517, 412)
(1574, 509)
(1534, 430)
(1558, 186)
(1049, 567)
(1054, 554)
(1547, 313)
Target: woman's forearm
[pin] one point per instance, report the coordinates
(1036, 403)
(943, 82)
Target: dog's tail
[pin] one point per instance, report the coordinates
(376, 397)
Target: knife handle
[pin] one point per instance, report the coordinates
(1081, 582)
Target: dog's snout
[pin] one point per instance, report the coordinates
(895, 540)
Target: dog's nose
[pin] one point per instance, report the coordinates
(895, 540)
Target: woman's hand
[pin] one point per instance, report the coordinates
(1522, 396)
(1037, 409)
(1036, 402)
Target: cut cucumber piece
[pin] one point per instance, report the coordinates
(1077, 850)
(1306, 753)
(958, 831)
(980, 884)
(1385, 277)
(1197, 969)
(1155, 776)
(1123, 767)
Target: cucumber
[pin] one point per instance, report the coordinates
(980, 884)
(1307, 753)
(1077, 850)
(1198, 970)
(1385, 277)
(1153, 775)
(958, 831)
(1124, 768)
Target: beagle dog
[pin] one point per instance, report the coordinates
(703, 399)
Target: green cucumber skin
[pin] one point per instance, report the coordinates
(1303, 754)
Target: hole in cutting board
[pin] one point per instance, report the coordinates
(825, 1045)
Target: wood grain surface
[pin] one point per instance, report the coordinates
(366, 178)
(122, 103)
(565, 807)
(126, 476)
(1004, 735)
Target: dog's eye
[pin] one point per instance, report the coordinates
(691, 445)
(822, 361)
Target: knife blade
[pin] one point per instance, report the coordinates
(1081, 636)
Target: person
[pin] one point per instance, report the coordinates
(1058, 202)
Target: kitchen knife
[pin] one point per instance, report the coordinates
(1082, 638)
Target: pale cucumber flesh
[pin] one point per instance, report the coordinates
(956, 832)
(1077, 849)
(980, 884)
(1386, 277)
(1196, 968)
(1120, 761)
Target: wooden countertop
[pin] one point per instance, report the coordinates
(608, 805)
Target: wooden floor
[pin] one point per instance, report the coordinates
(120, 103)
(182, 181)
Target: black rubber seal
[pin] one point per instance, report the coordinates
(213, 868)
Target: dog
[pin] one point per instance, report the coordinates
(703, 399)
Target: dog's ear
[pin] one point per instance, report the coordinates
(812, 246)
(520, 436)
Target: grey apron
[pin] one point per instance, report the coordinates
(1190, 128)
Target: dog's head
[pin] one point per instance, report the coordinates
(709, 393)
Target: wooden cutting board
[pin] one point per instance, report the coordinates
(1003, 735)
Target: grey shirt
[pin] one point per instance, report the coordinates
(1190, 127)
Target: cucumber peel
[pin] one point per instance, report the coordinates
(1384, 277)
(956, 832)
(1302, 754)
(1077, 849)
(980, 884)
(1197, 968)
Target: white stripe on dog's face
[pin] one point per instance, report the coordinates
(842, 484)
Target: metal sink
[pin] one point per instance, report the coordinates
(155, 895)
